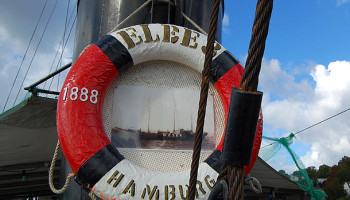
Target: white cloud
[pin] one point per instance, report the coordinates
(226, 24)
(16, 29)
(9, 63)
(294, 105)
(340, 2)
(273, 79)
(226, 20)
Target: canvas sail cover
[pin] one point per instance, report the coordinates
(28, 131)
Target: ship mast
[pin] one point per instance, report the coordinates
(212, 94)
(174, 114)
(191, 123)
(149, 112)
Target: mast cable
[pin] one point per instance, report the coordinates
(189, 13)
(130, 16)
(61, 44)
(169, 4)
(30, 64)
(320, 122)
(193, 23)
(54, 59)
(64, 47)
(64, 36)
(52, 64)
(20, 66)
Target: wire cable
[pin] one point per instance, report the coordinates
(20, 66)
(203, 99)
(70, 31)
(53, 62)
(30, 64)
(320, 122)
(268, 145)
(233, 173)
(64, 36)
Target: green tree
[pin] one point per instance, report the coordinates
(334, 189)
(345, 161)
(297, 173)
(323, 171)
(284, 173)
(312, 172)
(343, 174)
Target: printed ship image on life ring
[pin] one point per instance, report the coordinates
(160, 125)
(98, 165)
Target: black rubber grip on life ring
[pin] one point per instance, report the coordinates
(241, 125)
(116, 52)
(221, 64)
(214, 161)
(98, 165)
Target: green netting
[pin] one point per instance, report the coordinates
(304, 181)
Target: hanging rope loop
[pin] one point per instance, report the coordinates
(52, 167)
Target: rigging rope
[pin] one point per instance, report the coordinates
(30, 64)
(64, 36)
(131, 15)
(20, 66)
(234, 175)
(64, 47)
(203, 99)
(194, 23)
(320, 122)
(65, 44)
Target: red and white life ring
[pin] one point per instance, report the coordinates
(98, 165)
